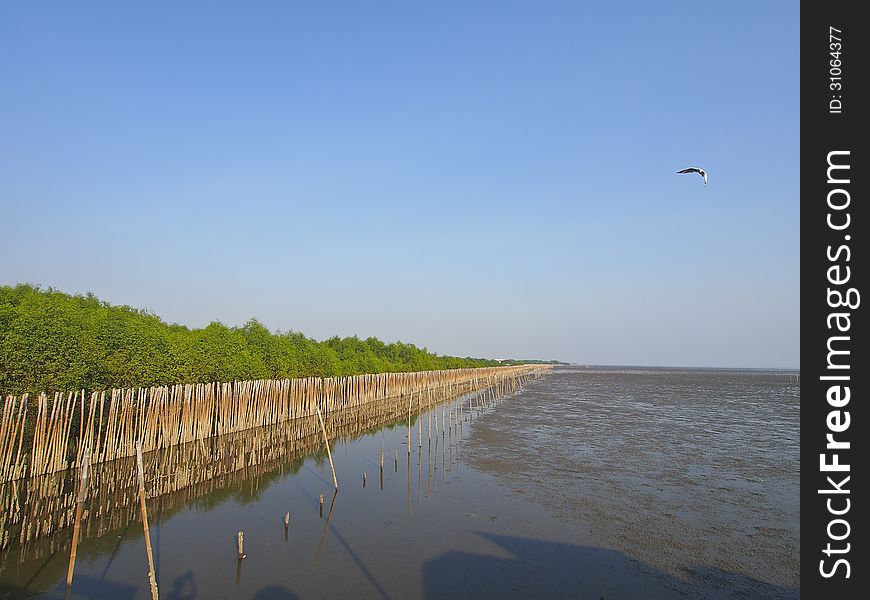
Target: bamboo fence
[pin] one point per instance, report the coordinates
(111, 423)
(34, 513)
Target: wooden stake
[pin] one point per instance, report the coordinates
(83, 475)
(151, 576)
(241, 544)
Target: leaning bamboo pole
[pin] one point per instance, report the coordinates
(80, 501)
(326, 443)
(152, 579)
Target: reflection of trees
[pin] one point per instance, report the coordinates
(35, 512)
(204, 474)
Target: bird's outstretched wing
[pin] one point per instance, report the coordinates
(697, 170)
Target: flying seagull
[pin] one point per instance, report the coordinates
(697, 170)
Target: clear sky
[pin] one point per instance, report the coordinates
(481, 178)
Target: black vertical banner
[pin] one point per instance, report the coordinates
(834, 370)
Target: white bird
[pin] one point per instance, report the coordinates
(697, 170)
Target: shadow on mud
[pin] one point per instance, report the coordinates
(541, 569)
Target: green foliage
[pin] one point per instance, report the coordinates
(52, 341)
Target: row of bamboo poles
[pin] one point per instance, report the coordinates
(110, 424)
(34, 513)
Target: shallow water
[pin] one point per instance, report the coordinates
(694, 472)
(585, 484)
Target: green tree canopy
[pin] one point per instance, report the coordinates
(51, 341)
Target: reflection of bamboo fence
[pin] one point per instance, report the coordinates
(34, 511)
(110, 424)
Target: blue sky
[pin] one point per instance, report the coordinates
(480, 178)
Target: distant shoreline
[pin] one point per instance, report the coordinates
(674, 367)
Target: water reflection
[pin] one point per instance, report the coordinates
(35, 514)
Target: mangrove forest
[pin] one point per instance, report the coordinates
(51, 340)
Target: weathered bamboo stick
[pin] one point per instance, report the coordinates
(80, 501)
(152, 577)
(326, 443)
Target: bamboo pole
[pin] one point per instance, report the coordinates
(152, 578)
(83, 481)
(328, 453)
